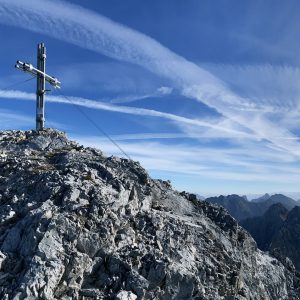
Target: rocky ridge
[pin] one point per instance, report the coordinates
(75, 224)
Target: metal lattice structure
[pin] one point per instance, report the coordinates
(42, 78)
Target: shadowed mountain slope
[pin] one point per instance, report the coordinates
(265, 227)
(278, 231)
(287, 238)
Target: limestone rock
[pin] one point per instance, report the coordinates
(124, 295)
(75, 224)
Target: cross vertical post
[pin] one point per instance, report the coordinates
(41, 86)
(42, 78)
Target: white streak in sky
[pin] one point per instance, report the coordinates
(160, 92)
(204, 161)
(274, 86)
(12, 94)
(13, 120)
(92, 31)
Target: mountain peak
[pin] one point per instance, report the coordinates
(263, 198)
(294, 214)
(276, 210)
(48, 139)
(75, 224)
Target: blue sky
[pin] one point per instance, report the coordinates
(204, 93)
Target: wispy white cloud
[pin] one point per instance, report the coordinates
(147, 136)
(92, 31)
(159, 92)
(11, 94)
(114, 78)
(190, 128)
(275, 87)
(13, 120)
(208, 162)
(164, 90)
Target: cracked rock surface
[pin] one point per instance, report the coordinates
(75, 224)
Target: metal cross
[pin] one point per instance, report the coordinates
(42, 77)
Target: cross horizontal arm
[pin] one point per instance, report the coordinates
(28, 68)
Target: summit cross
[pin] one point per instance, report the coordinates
(42, 78)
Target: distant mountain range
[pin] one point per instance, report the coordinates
(272, 220)
(240, 208)
(278, 229)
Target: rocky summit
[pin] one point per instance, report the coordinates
(75, 224)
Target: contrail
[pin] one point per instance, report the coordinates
(12, 94)
(87, 29)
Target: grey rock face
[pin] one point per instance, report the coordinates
(75, 224)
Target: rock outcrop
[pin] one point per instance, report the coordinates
(75, 224)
